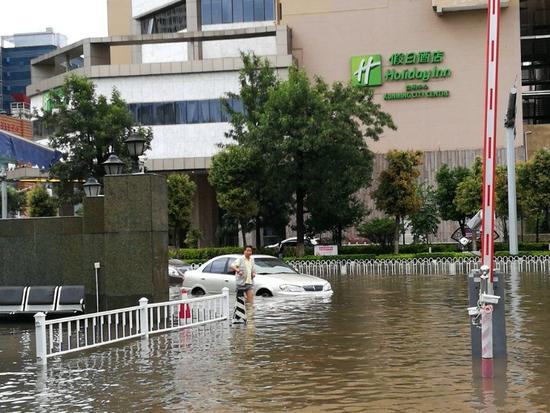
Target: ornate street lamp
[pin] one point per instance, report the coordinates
(113, 165)
(92, 187)
(136, 147)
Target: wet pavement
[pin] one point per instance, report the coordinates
(387, 344)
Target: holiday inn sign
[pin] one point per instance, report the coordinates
(368, 71)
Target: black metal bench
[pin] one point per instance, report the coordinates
(65, 299)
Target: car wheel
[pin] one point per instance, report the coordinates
(264, 293)
(197, 291)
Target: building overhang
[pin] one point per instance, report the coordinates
(447, 6)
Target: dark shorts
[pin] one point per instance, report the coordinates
(245, 287)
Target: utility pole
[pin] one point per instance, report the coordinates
(510, 126)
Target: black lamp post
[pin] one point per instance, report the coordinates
(113, 165)
(92, 187)
(136, 147)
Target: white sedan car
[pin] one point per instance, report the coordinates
(273, 278)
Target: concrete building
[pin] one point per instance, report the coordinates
(173, 60)
(16, 52)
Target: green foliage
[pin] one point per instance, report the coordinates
(40, 203)
(397, 192)
(425, 221)
(468, 192)
(232, 175)
(87, 128)
(378, 230)
(17, 200)
(447, 183)
(534, 189)
(180, 202)
(264, 203)
(193, 237)
(312, 130)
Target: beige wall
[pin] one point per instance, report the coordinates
(536, 137)
(326, 33)
(119, 14)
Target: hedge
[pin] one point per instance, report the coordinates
(364, 252)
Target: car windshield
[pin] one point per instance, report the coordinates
(273, 266)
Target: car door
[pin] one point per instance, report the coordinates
(214, 276)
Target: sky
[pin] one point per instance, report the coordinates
(76, 19)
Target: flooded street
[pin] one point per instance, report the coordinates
(388, 344)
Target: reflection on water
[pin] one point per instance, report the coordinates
(378, 344)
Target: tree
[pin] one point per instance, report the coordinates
(534, 189)
(447, 182)
(17, 200)
(501, 196)
(232, 175)
(87, 128)
(425, 221)
(469, 191)
(312, 131)
(378, 230)
(40, 203)
(180, 204)
(397, 192)
(245, 110)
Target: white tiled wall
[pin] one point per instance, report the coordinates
(171, 87)
(187, 141)
(143, 7)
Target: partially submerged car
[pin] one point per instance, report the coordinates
(274, 277)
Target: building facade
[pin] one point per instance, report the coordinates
(172, 61)
(16, 53)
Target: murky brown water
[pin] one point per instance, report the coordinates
(379, 344)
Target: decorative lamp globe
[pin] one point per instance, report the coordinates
(113, 165)
(92, 187)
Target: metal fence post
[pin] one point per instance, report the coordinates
(40, 336)
(225, 292)
(143, 317)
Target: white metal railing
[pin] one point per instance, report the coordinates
(444, 266)
(67, 335)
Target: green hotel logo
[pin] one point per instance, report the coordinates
(366, 70)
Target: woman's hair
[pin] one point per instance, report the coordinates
(249, 246)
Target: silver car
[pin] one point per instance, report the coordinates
(274, 277)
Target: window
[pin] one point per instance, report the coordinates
(215, 110)
(259, 10)
(204, 111)
(227, 11)
(165, 114)
(192, 111)
(216, 11)
(145, 114)
(206, 11)
(218, 266)
(248, 10)
(235, 11)
(169, 20)
(181, 112)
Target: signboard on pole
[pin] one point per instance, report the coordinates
(325, 249)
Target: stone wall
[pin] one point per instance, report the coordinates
(126, 231)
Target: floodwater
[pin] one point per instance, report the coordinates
(379, 344)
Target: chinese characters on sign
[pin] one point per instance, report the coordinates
(416, 58)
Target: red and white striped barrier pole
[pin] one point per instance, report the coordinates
(489, 165)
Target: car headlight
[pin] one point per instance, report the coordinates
(173, 272)
(327, 287)
(291, 288)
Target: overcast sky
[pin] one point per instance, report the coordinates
(76, 19)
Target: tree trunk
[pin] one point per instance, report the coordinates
(258, 233)
(462, 225)
(537, 225)
(243, 233)
(396, 236)
(299, 223)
